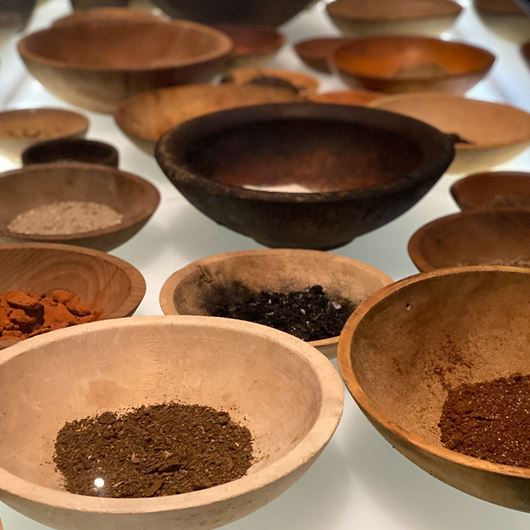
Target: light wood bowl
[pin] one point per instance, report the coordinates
(145, 117)
(192, 289)
(505, 18)
(132, 196)
(105, 283)
(474, 237)
(399, 348)
(20, 128)
(287, 394)
(98, 64)
(498, 132)
(410, 64)
(316, 52)
(347, 97)
(107, 13)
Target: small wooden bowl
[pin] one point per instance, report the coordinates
(316, 53)
(360, 18)
(407, 343)
(98, 64)
(410, 64)
(493, 190)
(288, 395)
(20, 128)
(475, 237)
(105, 283)
(135, 198)
(146, 116)
(76, 150)
(192, 289)
(106, 13)
(505, 18)
(347, 97)
(496, 132)
(525, 50)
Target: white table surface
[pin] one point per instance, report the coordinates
(359, 481)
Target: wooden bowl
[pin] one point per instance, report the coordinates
(105, 283)
(388, 17)
(505, 18)
(192, 289)
(407, 343)
(283, 390)
(15, 14)
(106, 13)
(475, 237)
(145, 117)
(75, 150)
(410, 64)
(303, 175)
(135, 198)
(316, 53)
(19, 128)
(98, 64)
(493, 190)
(347, 97)
(525, 50)
(492, 133)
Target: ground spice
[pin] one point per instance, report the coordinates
(489, 420)
(24, 315)
(152, 451)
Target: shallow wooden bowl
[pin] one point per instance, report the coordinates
(132, 196)
(106, 13)
(475, 237)
(497, 132)
(505, 18)
(286, 393)
(388, 17)
(98, 64)
(146, 116)
(316, 53)
(19, 128)
(193, 289)
(347, 97)
(105, 283)
(409, 64)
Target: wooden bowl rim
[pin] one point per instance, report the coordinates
(308, 447)
(275, 41)
(301, 46)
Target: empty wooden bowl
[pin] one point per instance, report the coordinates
(493, 190)
(316, 53)
(303, 175)
(487, 134)
(106, 284)
(347, 97)
(288, 395)
(145, 117)
(505, 18)
(411, 341)
(388, 17)
(96, 65)
(475, 237)
(106, 13)
(19, 128)
(132, 196)
(410, 64)
(198, 287)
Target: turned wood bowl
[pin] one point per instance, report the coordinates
(106, 284)
(505, 18)
(409, 342)
(475, 237)
(316, 52)
(488, 134)
(20, 128)
(193, 289)
(360, 18)
(303, 175)
(288, 395)
(132, 196)
(106, 13)
(347, 97)
(98, 64)
(410, 64)
(146, 116)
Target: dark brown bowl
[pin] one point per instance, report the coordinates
(358, 169)
(316, 53)
(409, 64)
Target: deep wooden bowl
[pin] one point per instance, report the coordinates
(106, 13)
(347, 97)
(475, 237)
(491, 133)
(317, 52)
(104, 283)
(505, 18)
(410, 64)
(132, 196)
(98, 64)
(193, 289)
(302, 175)
(287, 394)
(146, 116)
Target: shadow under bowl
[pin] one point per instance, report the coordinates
(316, 53)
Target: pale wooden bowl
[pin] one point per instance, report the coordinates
(505, 18)
(287, 394)
(132, 196)
(498, 132)
(105, 283)
(399, 348)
